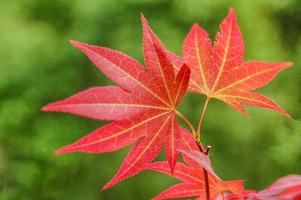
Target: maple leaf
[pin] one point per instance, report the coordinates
(143, 105)
(285, 188)
(288, 187)
(219, 72)
(192, 176)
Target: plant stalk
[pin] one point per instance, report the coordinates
(206, 178)
(201, 120)
(188, 123)
(197, 136)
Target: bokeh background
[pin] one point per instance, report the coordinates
(38, 66)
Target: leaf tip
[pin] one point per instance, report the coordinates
(231, 17)
(172, 166)
(108, 185)
(73, 42)
(50, 108)
(232, 12)
(143, 20)
(287, 115)
(76, 43)
(288, 64)
(186, 68)
(197, 29)
(45, 108)
(65, 149)
(103, 188)
(156, 198)
(172, 170)
(59, 152)
(246, 114)
(142, 16)
(195, 26)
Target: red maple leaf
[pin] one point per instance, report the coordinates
(219, 72)
(288, 187)
(193, 178)
(143, 105)
(285, 188)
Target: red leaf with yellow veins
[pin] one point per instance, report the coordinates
(193, 179)
(115, 135)
(143, 106)
(181, 190)
(285, 188)
(106, 103)
(218, 70)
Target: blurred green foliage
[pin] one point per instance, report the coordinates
(38, 66)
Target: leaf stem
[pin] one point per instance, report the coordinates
(188, 123)
(206, 178)
(201, 120)
(197, 136)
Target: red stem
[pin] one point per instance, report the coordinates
(206, 178)
(197, 136)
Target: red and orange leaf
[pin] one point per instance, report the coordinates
(218, 71)
(193, 176)
(143, 105)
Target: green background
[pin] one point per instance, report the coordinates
(38, 66)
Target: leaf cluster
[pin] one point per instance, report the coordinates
(142, 109)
